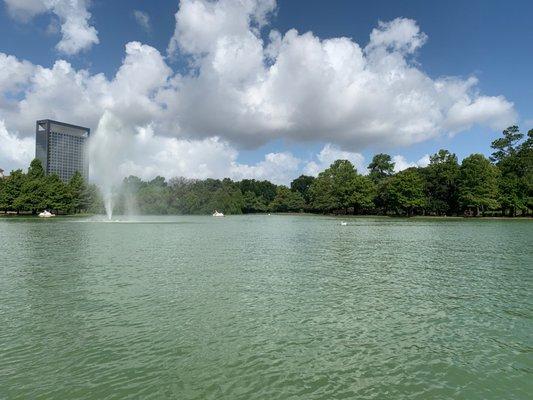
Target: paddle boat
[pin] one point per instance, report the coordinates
(46, 214)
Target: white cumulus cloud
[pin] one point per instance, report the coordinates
(329, 154)
(401, 163)
(76, 33)
(14, 151)
(241, 90)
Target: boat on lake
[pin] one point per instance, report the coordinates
(46, 214)
(217, 214)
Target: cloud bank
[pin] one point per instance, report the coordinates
(242, 90)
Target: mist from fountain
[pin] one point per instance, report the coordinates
(106, 152)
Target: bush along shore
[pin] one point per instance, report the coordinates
(501, 185)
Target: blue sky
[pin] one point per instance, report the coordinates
(491, 40)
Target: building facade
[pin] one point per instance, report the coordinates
(62, 148)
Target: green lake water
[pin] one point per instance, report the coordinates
(266, 307)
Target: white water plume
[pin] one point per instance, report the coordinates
(106, 150)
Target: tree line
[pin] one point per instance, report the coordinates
(499, 185)
(34, 192)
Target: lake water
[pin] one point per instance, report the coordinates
(266, 307)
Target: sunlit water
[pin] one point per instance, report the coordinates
(265, 307)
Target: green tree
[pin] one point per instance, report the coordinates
(322, 194)
(35, 170)
(287, 200)
(441, 183)
(3, 206)
(12, 190)
(263, 189)
(32, 192)
(56, 194)
(364, 192)
(227, 198)
(32, 195)
(94, 198)
(525, 153)
(478, 184)
(302, 184)
(381, 167)
(253, 203)
(404, 192)
(506, 146)
(334, 188)
(152, 197)
(78, 193)
(511, 158)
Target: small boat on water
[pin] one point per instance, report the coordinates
(344, 223)
(217, 214)
(46, 214)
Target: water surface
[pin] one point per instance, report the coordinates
(266, 307)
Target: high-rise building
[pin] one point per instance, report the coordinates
(62, 148)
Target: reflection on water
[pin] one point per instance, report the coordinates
(265, 307)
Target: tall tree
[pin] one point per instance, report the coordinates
(302, 185)
(364, 192)
(77, 193)
(32, 195)
(404, 192)
(513, 181)
(441, 183)
(12, 190)
(334, 187)
(35, 170)
(381, 167)
(506, 146)
(3, 205)
(478, 184)
(57, 196)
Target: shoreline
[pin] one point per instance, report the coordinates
(302, 214)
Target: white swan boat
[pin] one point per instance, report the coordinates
(46, 214)
(217, 214)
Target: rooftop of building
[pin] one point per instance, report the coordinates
(42, 121)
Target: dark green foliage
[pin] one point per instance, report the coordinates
(441, 183)
(340, 187)
(363, 195)
(302, 184)
(514, 160)
(381, 167)
(254, 203)
(57, 196)
(35, 170)
(333, 187)
(12, 190)
(263, 192)
(478, 184)
(77, 190)
(34, 192)
(404, 192)
(287, 200)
